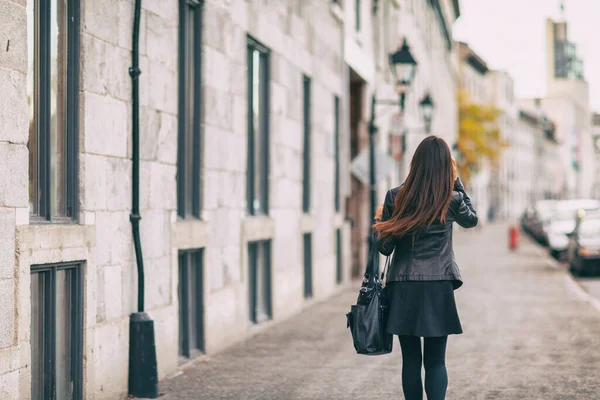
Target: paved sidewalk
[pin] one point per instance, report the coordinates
(527, 336)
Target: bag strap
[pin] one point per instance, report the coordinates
(387, 263)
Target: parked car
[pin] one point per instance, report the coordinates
(584, 244)
(527, 219)
(542, 212)
(562, 222)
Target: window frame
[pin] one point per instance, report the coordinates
(49, 327)
(336, 143)
(253, 259)
(185, 92)
(188, 259)
(251, 190)
(338, 254)
(306, 151)
(42, 114)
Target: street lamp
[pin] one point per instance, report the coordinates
(427, 110)
(403, 66)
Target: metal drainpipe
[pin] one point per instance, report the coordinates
(143, 369)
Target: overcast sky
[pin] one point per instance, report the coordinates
(511, 35)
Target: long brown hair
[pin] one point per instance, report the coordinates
(426, 193)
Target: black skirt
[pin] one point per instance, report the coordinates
(422, 308)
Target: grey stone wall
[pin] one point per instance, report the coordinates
(102, 238)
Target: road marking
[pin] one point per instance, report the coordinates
(580, 292)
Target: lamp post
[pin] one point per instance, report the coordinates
(403, 66)
(427, 111)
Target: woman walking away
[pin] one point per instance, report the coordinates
(415, 223)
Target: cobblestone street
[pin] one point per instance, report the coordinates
(527, 336)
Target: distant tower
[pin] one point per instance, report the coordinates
(562, 10)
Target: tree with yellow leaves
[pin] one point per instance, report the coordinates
(479, 137)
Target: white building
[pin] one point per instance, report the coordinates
(567, 104)
(250, 114)
(511, 188)
(596, 141)
(473, 73)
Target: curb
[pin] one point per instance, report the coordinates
(580, 292)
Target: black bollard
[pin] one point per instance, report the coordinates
(143, 369)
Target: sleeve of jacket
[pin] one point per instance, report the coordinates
(465, 213)
(386, 247)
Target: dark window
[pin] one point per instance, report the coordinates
(259, 280)
(308, 288)
(338, 255)
(357, 15)
(56, 332)
(258, 128)
(306, 150)
(189, 142)
(191, 303)
(52, 95)
(336, 133)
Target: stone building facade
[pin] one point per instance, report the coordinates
(67, 262)
(250, 113)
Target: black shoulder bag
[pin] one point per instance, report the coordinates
(367, 319)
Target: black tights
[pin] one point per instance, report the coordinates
(436, 378)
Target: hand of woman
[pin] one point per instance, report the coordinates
(379, 212)
(454, 171)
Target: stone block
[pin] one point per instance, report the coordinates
(240, 117)
(213, 147)
(9, 383)
(105, 126)
(158, 282)
(9, 359)
(232, 264)
(129, 287)
(13, 36)
(94, 64)
(166, 151)
(24, 303)
(166, 326)
(162, 85)
(100, 296)
(14, 163)
(217, 108)
(113, 292)
(7, 312)
(166, 9)
(114, 243)
(111, 368)
(217, 68)
(155, 231)
(94, 189)
(14, 125)
(7, 243)
(150, 125)
(101, 19)
(161, 35)
(163, 186)
(238, 78)
(212, 187)
(217, 25)
(145, 193)
(118, 184)
(21, 216)
(214, 268)
(235, 153)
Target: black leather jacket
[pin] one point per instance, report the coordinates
(429, 255)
